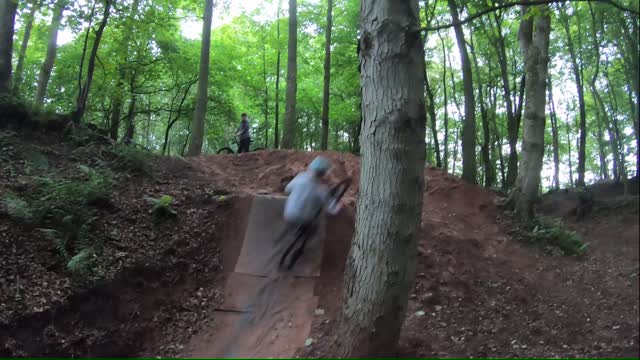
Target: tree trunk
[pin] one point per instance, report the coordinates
(489, 174)
(445, 159)
(527, 186)
(276, 135)
(382, 261)
(8, 10)
(197, 132)
(469, 170)
(431, 106)
(19, 73)
(581, 104)
(554, 135)
(327, 78)
(173, 120)
(50, 57)
(512, 124)
(116, 107)
(131, 125)
(83, 94)
(266, 94)
(568, 131)
(289, 132)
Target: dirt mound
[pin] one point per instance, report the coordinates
(150, 283)
(477, 292)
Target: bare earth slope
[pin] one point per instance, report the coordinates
(477, 292)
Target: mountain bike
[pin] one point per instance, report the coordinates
(302, 234)
(229, 150)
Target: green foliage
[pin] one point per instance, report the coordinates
(18, 209)
(161, 209)
(552, 233)
(61, 207)
(132, 159)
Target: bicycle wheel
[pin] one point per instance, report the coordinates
(225, 150)
(257, 149)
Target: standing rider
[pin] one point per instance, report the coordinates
(243, 134)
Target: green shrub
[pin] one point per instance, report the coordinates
(61, 208)
(132, 158)
(161, 209)
(553, 233)
(17, 209)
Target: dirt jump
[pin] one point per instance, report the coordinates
(265, 311)
(207, 283)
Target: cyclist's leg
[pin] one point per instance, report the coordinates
(306, 232)
(244, 145)
(297, 235)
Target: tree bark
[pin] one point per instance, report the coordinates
(512, 124)
(19, 73)
(131, 125)
(276, 135)
(469, 170)
(382, 261)
(554, 135)
(8, 10)
(581, 104)
(197, 131)
(289, 132)
(83, 93)
(489, 171)
(431, 106)
(527, 186)
(123, 50)
(50, 57)
(445, 159)
(327, 78)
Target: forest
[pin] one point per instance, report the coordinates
(128, 68)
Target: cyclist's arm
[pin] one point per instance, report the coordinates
(331, 204)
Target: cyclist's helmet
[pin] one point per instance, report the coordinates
(320, 165)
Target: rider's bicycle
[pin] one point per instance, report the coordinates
(301, 235)
(229, 150)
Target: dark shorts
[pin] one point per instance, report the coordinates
(243, 146)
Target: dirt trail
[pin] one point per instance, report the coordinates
(477, 292)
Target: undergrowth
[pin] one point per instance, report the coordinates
(64, 210)
(554, 236)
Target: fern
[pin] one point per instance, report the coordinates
(161, 207)
(17, 209)
(554, 233)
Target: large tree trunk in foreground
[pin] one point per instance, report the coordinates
(19, 73)
(291, 118)
(50, 57)
(197, 127)
(536, 68)
(83, 93)
(469, 170)
(327, 78)
(381, 265)
(8, 10)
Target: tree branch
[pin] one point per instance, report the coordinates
(524, 3)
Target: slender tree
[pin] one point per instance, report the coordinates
(26, 36)
(469, 170)
(554, 134)
(50, 57)
(8, 10)
(276, 134)
(289, 132)
(197, 132)
(577, 73)
(83, 91)
(327, 78)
